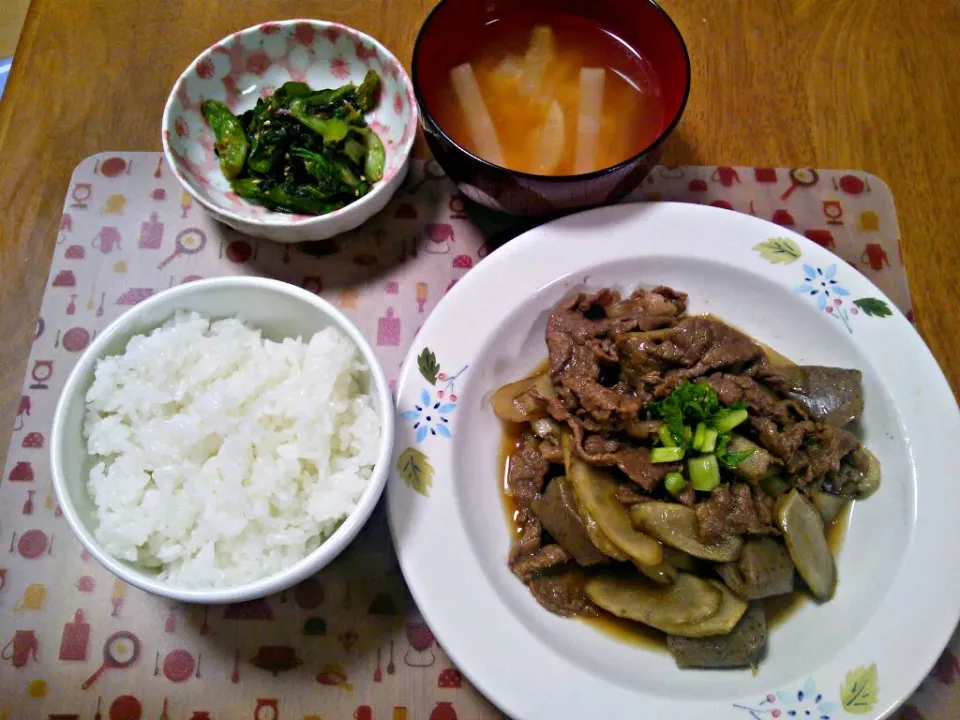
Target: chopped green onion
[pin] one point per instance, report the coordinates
(704, 472)
(674, 483)
(666, 454)
(728, 459)
(722, 440)
(687, 435)
(666, 437)
(709, 441)
(698, 436)
(727, 421)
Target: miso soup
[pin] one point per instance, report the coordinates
(551, 94)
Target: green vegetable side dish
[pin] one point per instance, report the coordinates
(231, 146)
(301, 151)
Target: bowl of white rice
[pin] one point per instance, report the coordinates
(222, 440)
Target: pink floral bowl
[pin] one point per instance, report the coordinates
(253, 63)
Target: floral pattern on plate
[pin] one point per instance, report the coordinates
(430, 418)
(858, 695)
(821, 283)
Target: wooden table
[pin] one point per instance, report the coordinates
(12, 13)
(864, 84)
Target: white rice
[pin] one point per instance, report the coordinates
(221, 457)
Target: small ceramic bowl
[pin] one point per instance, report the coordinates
(278, 309)
(641, 24)
(253, 63)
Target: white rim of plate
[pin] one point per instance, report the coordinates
(907, 637)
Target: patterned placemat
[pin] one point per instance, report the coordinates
(348, 643)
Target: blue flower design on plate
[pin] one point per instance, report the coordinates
(806, 703)
(821, 284)
(430, 416)
(858, 695)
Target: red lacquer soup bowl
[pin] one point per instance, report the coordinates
(449, 36)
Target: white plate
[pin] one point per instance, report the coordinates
(899, 595)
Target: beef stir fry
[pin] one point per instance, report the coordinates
(671, 471)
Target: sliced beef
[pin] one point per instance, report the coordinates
(688, 497)
(742, 515)
(551, 452)
(640, 364)
(701, 344)
(629, 496)
(604, 350)
(557, 409)
(766, 509)
(529, 540)
(557, 510)
(580, 342)
(561, 591)
(526, 471)
(854, 476)
(768, 373)
(550, 556)
(633, 462)
(599, 445)
(823, 454)
(574, 323)
(783, 442)
(642, 429)
(694, 347)
(742, 388)
(733, 510)
(809, 451)
(605, 405)
(661, 302)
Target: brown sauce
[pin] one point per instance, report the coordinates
(778, 609)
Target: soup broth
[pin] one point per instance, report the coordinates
(563, 96)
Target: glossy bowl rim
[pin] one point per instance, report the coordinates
(426, 115)
(404, 151)
(306, 566)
